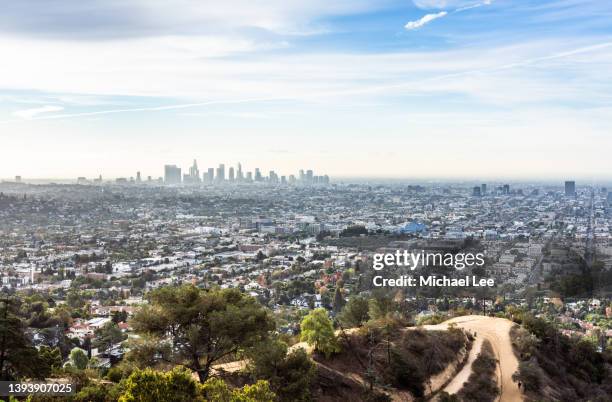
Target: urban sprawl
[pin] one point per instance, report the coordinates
(300, 242)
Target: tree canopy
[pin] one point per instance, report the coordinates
(196, 328)
(149, 385)
(355, 313)
(289, 374)
(318, 331)
(108, 335)
(17, 355)
(78, 359)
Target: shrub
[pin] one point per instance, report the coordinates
(481, 385)
(528, 375)
(289, 375)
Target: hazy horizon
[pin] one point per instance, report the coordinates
(550, 181)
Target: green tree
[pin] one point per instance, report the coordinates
(51, 358)
(318, 331)
(217, 390)
(289, 375)
(355, 313)
(338, 302)
(75, 299)
(152, 386)
(108, 335)
(119, 316)
(204, 326)
(78, 359)
(258, 392)
(381, 304)
(95, 392)
(17, 355)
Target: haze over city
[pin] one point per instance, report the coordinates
(399, 89)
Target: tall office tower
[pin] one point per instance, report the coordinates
(138, 178)
(194, 172)
(149, 179)
(483, 189)
(221, 172)
(570, 188)
(476, 191)
(301, 175)
(249, 177)
(291, 179)
(506, 189)
(210, 176)
(309, 175)
(239, 174)
(172, 174)
(17, 179)
(230, 176)
(273, 177)
(326, 179)
(258, 176)
(283, 179)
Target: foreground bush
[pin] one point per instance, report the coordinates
(149, 385)
(179, 385)
(290, 375)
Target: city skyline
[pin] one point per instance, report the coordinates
(173, 174)
(422, 89)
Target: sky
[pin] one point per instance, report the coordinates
(351, 88)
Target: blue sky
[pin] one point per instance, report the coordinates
(415, 89)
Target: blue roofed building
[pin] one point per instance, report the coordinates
(413, 228)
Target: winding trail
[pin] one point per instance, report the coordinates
(497, 331)
(462, 376)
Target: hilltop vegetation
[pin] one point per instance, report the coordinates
(384, 355)
(186, 338)
(554, 367)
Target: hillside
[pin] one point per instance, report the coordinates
(402, 363)
(554, 367)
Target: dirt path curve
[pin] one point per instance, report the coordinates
(462, 376)
(497, 331)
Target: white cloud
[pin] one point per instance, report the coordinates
(32, 113)
(193, 72)
(442, 4)
(458, 5)
(411, 25)
(140, 18)
(469, 7)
